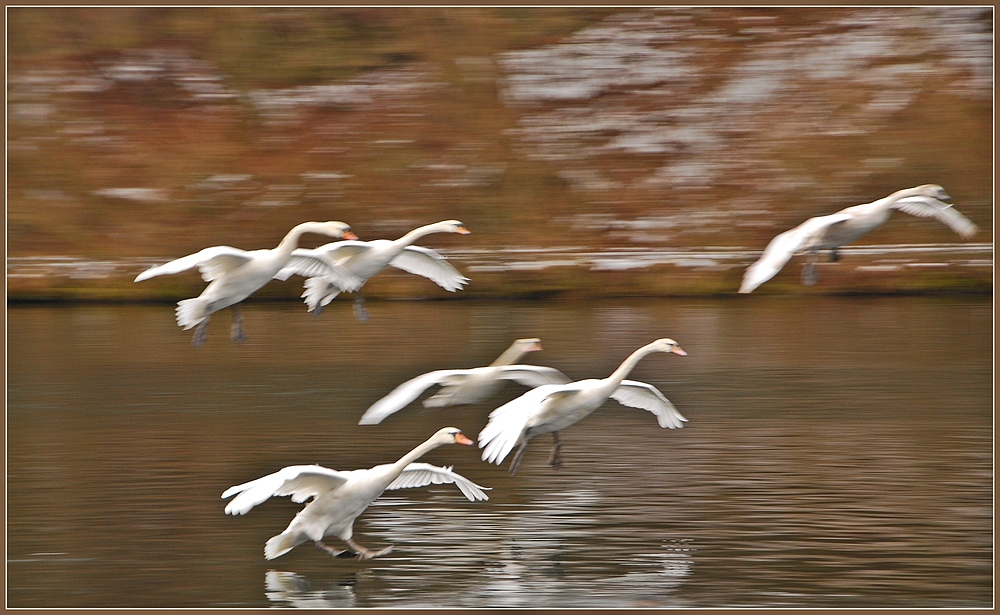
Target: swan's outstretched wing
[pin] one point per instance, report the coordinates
(402, 395)
(929, 207)
(647, 397)
(783, 246)
(211, 262)
(506, 424)
(423, 474)
(431, 265)
(300, 482)
(532, 375)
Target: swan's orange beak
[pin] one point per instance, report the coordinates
(348, 235)
(462, 230)
(535, 347)
(679, 350)
(461, 439)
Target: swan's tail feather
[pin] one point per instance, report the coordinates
(284, 542)
(319, 292)
(190, 312)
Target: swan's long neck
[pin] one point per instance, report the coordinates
(888, 201)
(415, 454)
(627, 365)
(419, 232)
(510, 356)
(291, 240)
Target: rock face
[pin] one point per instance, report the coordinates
(695, 99)
(643, 129)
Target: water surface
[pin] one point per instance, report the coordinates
(838, 453)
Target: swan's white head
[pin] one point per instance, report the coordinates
(450, 435)
(340, 230)
(932, 190)
(531, 344)
(667, 345)
(453, 226)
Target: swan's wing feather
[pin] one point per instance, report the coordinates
(339, 251)
(783, 247)
(300, 482)
(316, 263)
(929, 207)
(647, 397)
(431, 265)
(532, 375)
(403, 394)
(506, 424)
(306, 263)
(423, 474)
(211, 262)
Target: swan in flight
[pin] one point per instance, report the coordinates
(362, 260)
(340, 497)
(234, 274)
(467, 386)
(553, 407)
(835, 230)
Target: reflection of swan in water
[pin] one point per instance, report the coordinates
(835, 230)
(291, 589)
(338, 498)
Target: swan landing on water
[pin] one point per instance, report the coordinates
(340, 497)
(847, 225)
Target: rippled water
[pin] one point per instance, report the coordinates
(839, 453)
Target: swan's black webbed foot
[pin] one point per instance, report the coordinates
(359, 308)
(316, 311)
(809, 276)
(516, 462)
(237, 332)
(555, 459)
(200, 334)
(334, 552)
(364, 553)
(834, 255)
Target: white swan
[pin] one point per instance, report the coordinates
(235, 274)
(364, 259)
(340, 497)
(467, 386)
(552, 407)
(835, 230)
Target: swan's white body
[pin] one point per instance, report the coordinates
(362, 260)
(466, 386)
(340, 497)
(849, 224)
(553, 407)
(234, 274)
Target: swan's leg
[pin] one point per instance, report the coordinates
(359, 307)
(333, 552)
(200, 334)
(517, 458)
(809, 270)
(555, 460)
(834, 255)
(317, 310)
(364, 553)
(237, 332)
